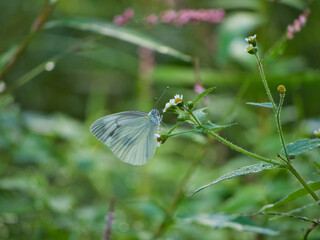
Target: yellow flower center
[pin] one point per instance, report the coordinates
(177, 100)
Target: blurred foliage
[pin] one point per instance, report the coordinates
(57, 180)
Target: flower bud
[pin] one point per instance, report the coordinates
(190, 104)
(281, 89)
(182, 117)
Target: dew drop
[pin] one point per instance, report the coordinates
(49, 66)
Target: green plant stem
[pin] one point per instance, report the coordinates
(174, 127)
(264, 81)
(309, 230)
(41, 67)
(179, 196)
(265, 84)
(30, 75)
(302, 181)
(241, 150)
(280, 127)
(277, 116)
(280, 214)
(44, 14)
(194, 117)
(233, 146)
(183, 132)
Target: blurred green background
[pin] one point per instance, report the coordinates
(57, 180)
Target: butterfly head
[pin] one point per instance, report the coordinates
(155, 116)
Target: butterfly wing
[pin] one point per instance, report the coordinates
(130, 135)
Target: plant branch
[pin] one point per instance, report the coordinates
(276, 112)
(309, 230)
(241, 150)
(302, 181)
(41, 67)
(278, 123)
(174, 127)
(109, 219)
(42, 17)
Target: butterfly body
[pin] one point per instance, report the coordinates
(130, 135)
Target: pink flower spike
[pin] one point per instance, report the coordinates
(124, 18)
(185, 16)
(151, 19)
(296, 25)
(169, 16)
(128, 13)
(290, 28)
(118, 20)
(302, 20)
(198, 88)
(289, 35)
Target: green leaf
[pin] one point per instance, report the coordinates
(265, 105)
(296, 210)
(200, 114)
(239, 223)
(239, 172)
(7, 56)
(120, 32)
(203, 94)
(302, 146)
(293, 196)
(278, 48)
(207, 126)
(317, 165)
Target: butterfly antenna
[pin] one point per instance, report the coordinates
(157, 99)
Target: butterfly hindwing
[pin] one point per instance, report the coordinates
(130, 135)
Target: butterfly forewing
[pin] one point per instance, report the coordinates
(130, 135)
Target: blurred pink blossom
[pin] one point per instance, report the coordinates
(198, 88)
(297, 24)
(124, 18)
(152, 19)
(185, 16)
(147, 62)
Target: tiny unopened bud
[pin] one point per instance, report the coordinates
(190, 104)
(281, 89)
(182, 117)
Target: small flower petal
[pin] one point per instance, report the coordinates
(177, 99)
(317, 133)
(251, 49)
(159, 139)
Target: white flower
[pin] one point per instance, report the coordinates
(168, 105)
(251, 38)
(248, 48)
(317, 132)
(159, 139)
(177, 99)
(251, 49)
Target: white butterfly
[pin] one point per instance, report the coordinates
(130, 135)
